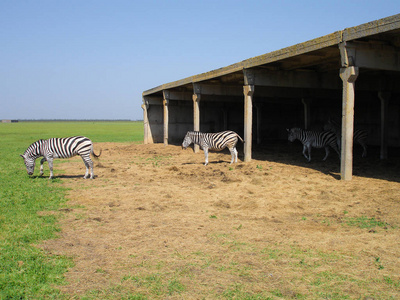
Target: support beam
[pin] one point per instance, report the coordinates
(166, 115)
(348, 76)
(384, 97)
(307, 119)
(248, 91)
(147, 137)
(292, 79)
(377, 56)
(196, 112)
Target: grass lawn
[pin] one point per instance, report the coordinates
(25, 271)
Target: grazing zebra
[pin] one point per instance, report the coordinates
(59, 148)
(316, 139)
(359, 136)
(213, 141)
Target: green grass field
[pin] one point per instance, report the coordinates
(25, 271)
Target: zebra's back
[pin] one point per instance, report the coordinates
(220, 140)
(323, 139)
(68, 147)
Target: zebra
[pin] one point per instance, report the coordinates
(213, 141)
(359, 136)
(59, 148)
(316, 139)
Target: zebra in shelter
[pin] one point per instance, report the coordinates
(59, 148)
(359, 136)
(316, 139)
(213, 141)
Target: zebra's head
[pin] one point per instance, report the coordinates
(187, 141)
(292, 134)
(29, 163)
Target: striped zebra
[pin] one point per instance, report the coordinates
(59, 148)
(316, 139)
(359, 136)
(213, 141)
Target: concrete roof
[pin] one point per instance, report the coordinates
(319, 54)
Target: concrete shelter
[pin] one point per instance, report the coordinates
(352, 75)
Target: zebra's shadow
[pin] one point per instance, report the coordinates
(59, 177)
(209, 163)
(71, 176)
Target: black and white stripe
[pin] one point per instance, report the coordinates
(213, 141)
(316, 139)
(59, 148)
(359, 136)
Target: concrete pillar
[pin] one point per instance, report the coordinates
(248, 91)
(384, 97)
(196, 116)
(166, 115)
(348, 76)
(307, 115)
(147, 139)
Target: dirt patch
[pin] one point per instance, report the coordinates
(264, 224)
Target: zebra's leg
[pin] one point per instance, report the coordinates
(338, 152)
(309, 152)
(364, 154)
(205, 155)
(50, 161)
(91, 168)
(304, 152)
(41, 166)
(236, 154)
(327, 151)
(233, 154)
(89, 165)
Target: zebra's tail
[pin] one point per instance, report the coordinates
(240, 138)
(96, 155)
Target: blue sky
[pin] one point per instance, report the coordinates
(93, 59)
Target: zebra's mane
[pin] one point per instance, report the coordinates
(35, 148)
(194, 133)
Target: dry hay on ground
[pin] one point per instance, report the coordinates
(266, 225)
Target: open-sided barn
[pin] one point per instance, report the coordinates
(351, 75)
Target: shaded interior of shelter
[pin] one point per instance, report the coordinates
(271, 118)
(300, 88)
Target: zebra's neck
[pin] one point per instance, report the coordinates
(197, 137)
(36, 149)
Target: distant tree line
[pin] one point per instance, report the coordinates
(75, 120)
